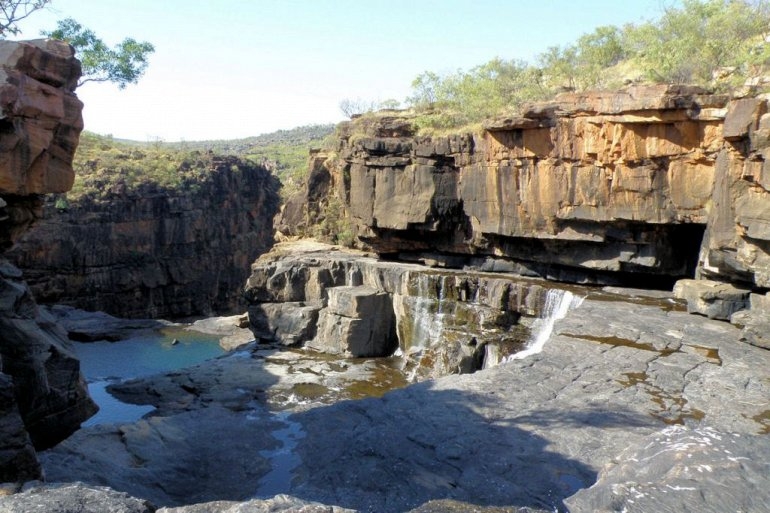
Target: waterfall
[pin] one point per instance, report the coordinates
(428, 324)
(557, 304)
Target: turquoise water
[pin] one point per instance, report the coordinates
(105, 363)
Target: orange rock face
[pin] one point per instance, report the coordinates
(642, 183)
(41, 117)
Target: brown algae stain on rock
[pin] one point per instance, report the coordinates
(622, 342)
(764, 420)
(711, 353)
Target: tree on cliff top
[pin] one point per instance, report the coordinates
(124, 64)
(13, 11)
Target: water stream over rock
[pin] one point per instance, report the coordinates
(557, 304)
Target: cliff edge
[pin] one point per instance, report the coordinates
(43, 398)
(640, 187)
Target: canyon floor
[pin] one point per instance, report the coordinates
(631, 406)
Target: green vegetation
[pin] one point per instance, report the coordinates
(718, 44)
(125, 64)
(13, 11)
(122, 65)
(104, 165)
(284, 152)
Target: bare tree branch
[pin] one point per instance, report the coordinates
(13, 11)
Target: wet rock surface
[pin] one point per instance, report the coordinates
(190, 457)
(349, 302)
(530, 433)
(684, 469)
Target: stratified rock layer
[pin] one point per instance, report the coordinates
(641, 186)
(155, 252)
(43, 398)
(348, 302)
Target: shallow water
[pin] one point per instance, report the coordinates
(104, 363)
(283, 459)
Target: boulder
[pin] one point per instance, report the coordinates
(288, 324)
(755, 321)
(743, 118)
(715, 300)
(41, 115)
(359, 321)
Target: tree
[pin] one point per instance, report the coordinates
(124, 64)
(13, 11)
(356, 107)
(690, 43)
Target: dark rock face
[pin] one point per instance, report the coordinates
(43, 398)
(155, 252)
(18, 461)
(49, 390)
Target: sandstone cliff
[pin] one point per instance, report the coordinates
(642, 186)
(155, 251)
(43, 398)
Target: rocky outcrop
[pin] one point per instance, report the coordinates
(619, 376)
(43, 398)
(49, 389)
(155, 252)
(639, 187)
(602, 187)
(684, 469)
(66, 498)
(347, 302)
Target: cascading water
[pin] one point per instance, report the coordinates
(428, 326)
(557, 304)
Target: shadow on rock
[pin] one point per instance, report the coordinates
(204, 443)
(418, 444)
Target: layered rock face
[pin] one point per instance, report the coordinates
(643, 187)
(349, 303)
(43, 398)
(155, 252)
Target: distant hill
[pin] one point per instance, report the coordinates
(102, 161)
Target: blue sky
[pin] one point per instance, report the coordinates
(225, 69)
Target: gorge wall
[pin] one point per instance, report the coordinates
(642, 186)
(154, 251)
(43, 398)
